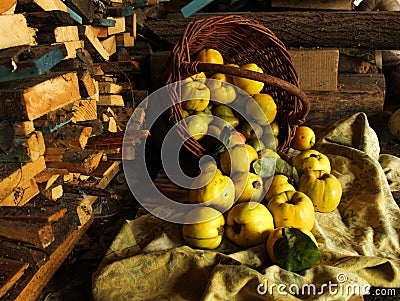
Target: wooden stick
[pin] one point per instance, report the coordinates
(43, 214)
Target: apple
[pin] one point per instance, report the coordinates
(309, 160)
(249, 224)
(203, 228)
(324, 190)
(292, 209)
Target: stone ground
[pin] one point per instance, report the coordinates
(72, 281)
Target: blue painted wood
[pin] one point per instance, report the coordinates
(43, 59)
(104, 22)
(75, 16)
(194, 6)
(123, 11)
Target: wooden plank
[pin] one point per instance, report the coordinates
(351, 97)
(53, 193)
(46, 5)
(110, 45)
(23, 128)
(109, 88)
(47, 20)
(13, 174)
(85, 8)
(11, 272)
(74, 136)
(111, 100)
(103, 22)
(121, 11)
(49, 173)
(6, 6)
(313, 4)
(24, 61)
(28, 100)
(72, 47)
(93, 44)
(194, 6)
(32, 290)
(80, 161)
(36, 234)
(119, 25)
(43, 214)
(22, 194)
(9, 25)
(369, 30)
(317, 69)
(84, 110)
(25, 149)
(58, 35)
(86, 84)
(125, 39)
(16, 251)
(100, 31)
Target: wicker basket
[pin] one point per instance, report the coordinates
(240, 40)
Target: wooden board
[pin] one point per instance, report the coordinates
(93, 44)
(13, 174)
(119, 26)
(43, 214)
(6, 6)
(36, 234)
(47, 20)
(58, 35)
(9, 25)
(369, 30)
(23, 128)
(87, 84)
(111, 100)
(74, 136)
(45, 5)
(317, 69)
(85, 8)
(21, 194)
(72, 48)
(28, 100)
(29, 61)
(313, 4)
(356, 93)
(84, 110)
(110, 45)
(79, 161)
(10, 272)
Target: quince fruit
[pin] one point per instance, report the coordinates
(249, 224)
(257, 144)
(214, 190)
(195, 96)
(304, 138)
(311, 160)
(237, 159)
(252, 131)
(292, 209)
(197, 126)
(263, 109)
(210, 56)
(324, 190)
(293, 249)
(199, 77)
(278, 184)
(248, 187)
(236, 138)
(275, 128)
(221, 91)
(204, 228)
(247, 85)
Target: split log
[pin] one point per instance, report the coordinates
(22, 194)
(9, 25)
(13, 174)
(25, 149)
(84, 110)
(11, 272)
(43, 214)
(34, 233)
(28, 100)
(368, 30)
(23, 128)
(79, 161)
(93, 44)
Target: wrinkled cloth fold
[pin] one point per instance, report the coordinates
(359, 242)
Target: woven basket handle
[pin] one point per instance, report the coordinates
(188, 69)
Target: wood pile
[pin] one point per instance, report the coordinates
(67, 92)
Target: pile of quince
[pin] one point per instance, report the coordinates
(250, 194)
(209, 100)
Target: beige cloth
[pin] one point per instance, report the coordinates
(359, 242)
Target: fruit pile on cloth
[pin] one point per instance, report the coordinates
(359, 242)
